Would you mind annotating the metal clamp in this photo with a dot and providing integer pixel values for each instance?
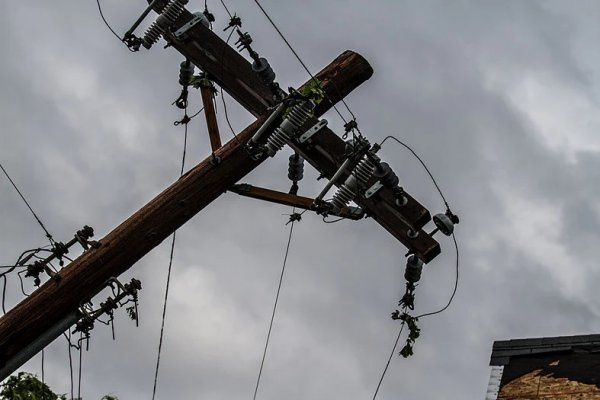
(181, 33)
(313, 130)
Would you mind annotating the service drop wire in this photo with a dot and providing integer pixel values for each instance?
(39, 221)
(287, 251)
(172, 252)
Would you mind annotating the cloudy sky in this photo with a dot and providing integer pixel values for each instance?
(500, 98)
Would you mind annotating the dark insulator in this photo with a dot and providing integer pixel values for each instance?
(414, 267)
(186, 71)
(386, 175)
(264, 71)
(296, 168)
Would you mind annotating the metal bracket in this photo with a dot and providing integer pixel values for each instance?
(373, 189)
(313, 130)
(181, 33)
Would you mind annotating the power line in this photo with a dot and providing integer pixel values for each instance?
(455, 285)
(447, 208)
(48, 235)
(389, 360)
(106, 22)
(287, 250)
(164, 313)
(304, 65)
(422, 163)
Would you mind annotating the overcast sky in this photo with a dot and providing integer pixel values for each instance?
(500, 98)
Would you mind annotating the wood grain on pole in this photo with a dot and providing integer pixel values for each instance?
(207, 94)
(153, 223)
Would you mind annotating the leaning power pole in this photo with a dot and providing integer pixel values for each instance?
(282, 118)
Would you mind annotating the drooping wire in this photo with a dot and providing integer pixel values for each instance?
(455, 285)
(422, 163)
(305, 67)
(166, 298)
(287, 250)
(389, 359)
(108, 25)
(447, 207)
(39, 221)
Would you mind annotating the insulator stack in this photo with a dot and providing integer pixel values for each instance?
(168, 17)
(357, 178)
(295, 171)
(414, 267)
(263, 69)
(186, 71)
(297, 116)
(386, 175)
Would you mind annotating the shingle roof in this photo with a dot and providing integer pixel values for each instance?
(503, 350)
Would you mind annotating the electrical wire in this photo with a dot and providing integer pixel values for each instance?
(80, 358)
(106, 22)
(389, 360)
(222, 74)
(305, 67)
(164, 313)
(447, 207)
(455, 286)
(43, 377)
(70, 365)
(226, 9)
(422, 163)
(48, 235)
(287, 250)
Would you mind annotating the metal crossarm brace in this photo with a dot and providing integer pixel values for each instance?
(305, 203)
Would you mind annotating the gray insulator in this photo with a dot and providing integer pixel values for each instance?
(186, 71)
(357, 178)
(444, 224)
(296, 168)
(168, 16)
(264, 71)
(297, 116)
(414, 267)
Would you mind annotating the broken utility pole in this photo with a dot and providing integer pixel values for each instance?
(51, 309)
(55, 300)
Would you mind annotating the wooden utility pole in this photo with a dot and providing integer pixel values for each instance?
(148, 227)
(51, 309)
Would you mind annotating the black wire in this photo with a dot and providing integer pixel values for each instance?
(455, 285)
(304, 65)
(221, 87)
(389, 360)
(80, 358)
(334, 221)
(43, 377)
(162, 325)
(108, 25)
(199, 111)
(226, 9)
(287, 250)
(422, 163)
(70, 364)
(48, 235)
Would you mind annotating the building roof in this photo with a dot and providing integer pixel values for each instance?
(503, 350)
